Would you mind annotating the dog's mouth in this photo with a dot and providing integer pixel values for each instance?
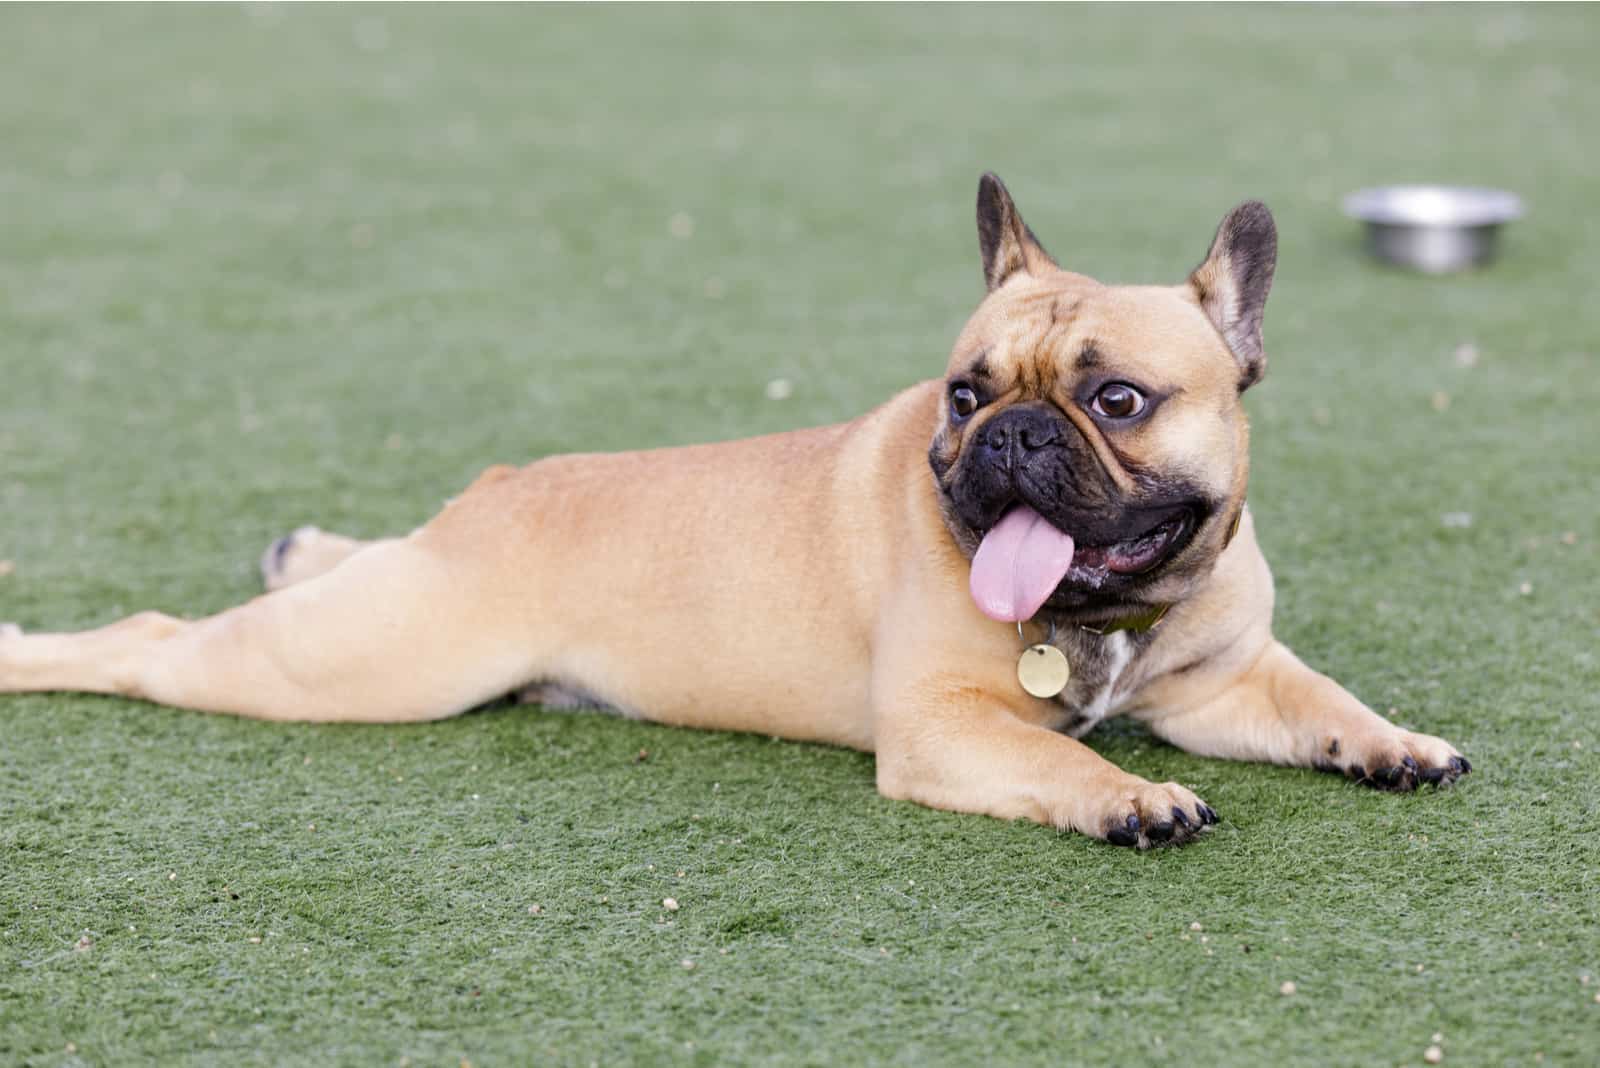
(1024, 560)
(1093, 564)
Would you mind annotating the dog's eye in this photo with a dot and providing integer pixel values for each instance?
(1117, 401)
(963, 401)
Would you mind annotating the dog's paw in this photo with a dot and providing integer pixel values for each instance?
(276, 561)
(1144, 814)
(1399, 760)
(304, 554)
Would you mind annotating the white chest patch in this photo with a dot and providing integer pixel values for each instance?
(1119, 651)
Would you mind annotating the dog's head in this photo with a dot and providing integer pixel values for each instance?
(1091, 453)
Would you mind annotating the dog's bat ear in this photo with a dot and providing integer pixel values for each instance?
(1233, 282)
(1008, 246)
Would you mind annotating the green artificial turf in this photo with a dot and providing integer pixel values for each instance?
(273, 265)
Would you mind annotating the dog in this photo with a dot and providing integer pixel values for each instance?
(963, 581)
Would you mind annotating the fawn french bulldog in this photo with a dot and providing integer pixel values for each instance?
(962, 581)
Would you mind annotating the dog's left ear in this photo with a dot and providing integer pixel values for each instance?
(1233, 282)
(1008, 246)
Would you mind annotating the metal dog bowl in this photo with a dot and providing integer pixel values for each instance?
(1433, 228)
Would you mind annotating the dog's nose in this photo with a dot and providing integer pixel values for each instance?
(1021, 429)
(1037, 437)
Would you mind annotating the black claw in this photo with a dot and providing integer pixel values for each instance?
(1408, 773)
(1159, 832)
(1386, 777)
(1127, 834)
(1181, 818)
(1357, 772)
(1462, 764)
(1209, 814)
(1433, 775)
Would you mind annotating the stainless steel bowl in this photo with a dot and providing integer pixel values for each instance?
(1433, 228)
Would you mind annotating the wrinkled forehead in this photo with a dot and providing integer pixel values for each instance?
(1069, 322)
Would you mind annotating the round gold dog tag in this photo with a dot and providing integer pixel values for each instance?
(1043, 670)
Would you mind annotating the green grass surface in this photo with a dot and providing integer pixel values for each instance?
(266, 266)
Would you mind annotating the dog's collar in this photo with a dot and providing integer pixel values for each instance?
(1137, 623)
(1151, 618)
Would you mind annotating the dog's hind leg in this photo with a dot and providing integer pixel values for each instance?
(311, 551)
(305, 554)
(400, 630)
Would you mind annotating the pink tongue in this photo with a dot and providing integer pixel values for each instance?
(1018, 565)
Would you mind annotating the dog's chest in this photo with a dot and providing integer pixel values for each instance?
(1099, 664)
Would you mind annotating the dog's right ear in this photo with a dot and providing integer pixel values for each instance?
(1233, 282)
(1008, 246)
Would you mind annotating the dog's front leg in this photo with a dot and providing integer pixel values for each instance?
(947, 744)
(1282, 712)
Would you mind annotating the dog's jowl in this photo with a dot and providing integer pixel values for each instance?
(1072, 490)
